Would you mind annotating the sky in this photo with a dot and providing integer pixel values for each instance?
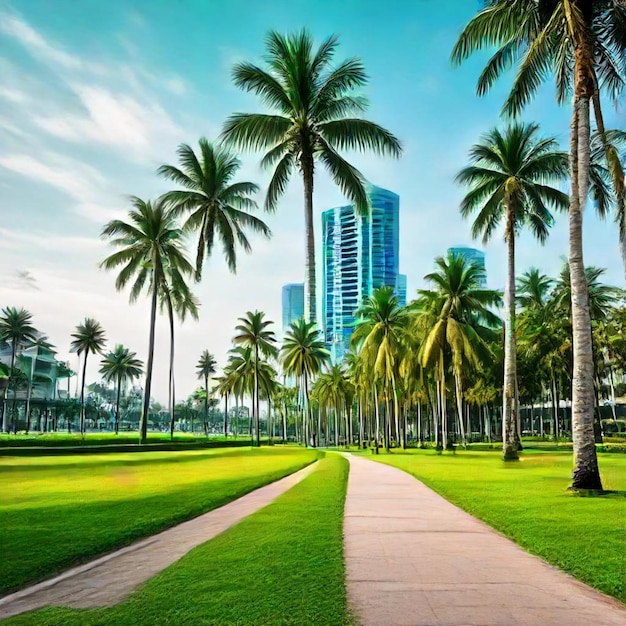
(94, 96)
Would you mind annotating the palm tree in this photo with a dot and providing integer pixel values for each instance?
(381, 325)
(582, 44)
(205, 368)
(118, 366)
(302, 356)
(88, 337)
(151, 247)
(178, 299)
(456, 322)
(253, 331)
(16, 329)
(509, 181)
(334, 389)
(218, 208)
(315, 115)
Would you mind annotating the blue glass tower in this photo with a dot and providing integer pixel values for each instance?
(293, 303)
(474, 256)
(359, 254)
(401, 289)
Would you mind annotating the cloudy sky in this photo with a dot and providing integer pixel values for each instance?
(94, 96)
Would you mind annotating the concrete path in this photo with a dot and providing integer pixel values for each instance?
(413, 558)
(109, 579)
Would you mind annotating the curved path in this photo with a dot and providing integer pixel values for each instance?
(412, 558)
(109, 579)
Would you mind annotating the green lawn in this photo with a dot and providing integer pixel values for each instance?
(528, 501)
(59, 511)
(282, 565)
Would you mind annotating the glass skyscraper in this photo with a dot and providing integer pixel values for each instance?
(293, 303)
(401, 289)
(474, 256)
(359, 254)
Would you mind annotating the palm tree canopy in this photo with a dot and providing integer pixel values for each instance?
(303, 350)
(206, 366)
(216, 207)
(121, 364)
(88, 337)
(514, 169)
(539, 37)
(315, 114)
(379, 333)
(533, 289)
(253, 331)
(16, 326)
(151, 248)
(333, 387)
(456, 314)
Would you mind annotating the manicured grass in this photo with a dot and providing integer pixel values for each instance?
(282, 565)
(104, 438)
(528, 502)
(59, 511)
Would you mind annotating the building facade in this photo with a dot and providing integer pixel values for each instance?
(359, 254)
(474, 256)
(292, 303)
(401, 289)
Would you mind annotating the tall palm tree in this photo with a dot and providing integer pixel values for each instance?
(253, 332)
(88, 337)
(119, 366)
(582, 43)
(150, 246)
(217, 208)
(379, 335)
(457, 324)
(509, 180)
(16, 329)
(302, 356)
(315, 113)
(177, 299)
(206, 367)
(333, 388)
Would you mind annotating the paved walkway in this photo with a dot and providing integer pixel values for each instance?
(413, 558)
(109, 579)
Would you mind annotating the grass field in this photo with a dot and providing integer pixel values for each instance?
(59, 511)
(282, 565)
(528, 501)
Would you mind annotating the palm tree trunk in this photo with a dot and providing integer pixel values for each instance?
(226, 415)
(310, 308)
(172, 399)
(377, 410)
(305, 414)
(82, 396)
(117, 404)
(5, 414)
(509, 404)
(586, 474)
(360, 410)
(285, 422)
(206, 405)
(143, 422)
(257, 421)
(458, 388)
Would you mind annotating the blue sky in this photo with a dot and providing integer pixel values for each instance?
(95, 96)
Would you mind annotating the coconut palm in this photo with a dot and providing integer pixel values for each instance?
(88, 337)
(379, 333)
(206, 367)
(120, 366)
(150, 248)
(583, 45)
(253, 331)
(333, 388)
(510, 180)
(16, 329)
(456, 322)
(217, 207)
(302, 355)
(177, 299)
(315, 113)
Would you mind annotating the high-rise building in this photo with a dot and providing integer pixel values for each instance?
(293, 303)
(474, 256)
(401, 289)
(359, 255)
